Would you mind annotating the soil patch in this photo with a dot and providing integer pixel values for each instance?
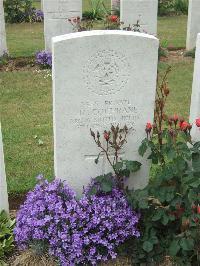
(15, 201)
(19, 64)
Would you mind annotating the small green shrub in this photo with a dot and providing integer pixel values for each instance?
(190, 53)
(4, 59)
(181, 6)
(17, 11)
(165, 7)
(6, 235)
(97, 10)
(168, 7)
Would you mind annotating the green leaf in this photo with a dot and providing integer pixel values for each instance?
(133, 166)
(118, 166)
(147, 246)
(165, 219)
(143, 147)
(158, 215)
(196, 162)
(187, 244)
(106, 186)
(174, 247)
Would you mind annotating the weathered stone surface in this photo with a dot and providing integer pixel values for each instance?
(101, 78)
(193, 26)
(115, 6)
(195, 99)
(3, 46)
(56, 15)
(3, 184)
(143, 10)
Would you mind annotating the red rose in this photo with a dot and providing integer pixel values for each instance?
(114, 18)
(148, 128)
(184, 125)
(198, 122)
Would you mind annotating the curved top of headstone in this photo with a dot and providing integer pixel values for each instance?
(92, 33)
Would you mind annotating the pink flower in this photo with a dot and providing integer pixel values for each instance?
(198, 122)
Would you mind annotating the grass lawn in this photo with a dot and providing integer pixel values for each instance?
(172, 31)
(26, 112)
(180, 84)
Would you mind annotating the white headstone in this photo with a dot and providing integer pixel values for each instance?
(193, 26)
(56, 15)
(143, 10)
(3, 46)
(195, 99)
(101, 78)
(115, 6)
(3, 184)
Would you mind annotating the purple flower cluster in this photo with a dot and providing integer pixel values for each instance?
(44, 59)
(38, 15)
(83, 231)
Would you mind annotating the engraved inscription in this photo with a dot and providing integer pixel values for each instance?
(106, 72)
(102, 114)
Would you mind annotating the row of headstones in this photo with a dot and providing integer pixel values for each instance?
(56, 12)
(148, 9)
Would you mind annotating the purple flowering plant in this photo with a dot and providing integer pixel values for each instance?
(44, 59)
(74, 231)
(37, 15)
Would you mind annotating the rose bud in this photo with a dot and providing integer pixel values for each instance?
(194, 207)
(198, 209)
(172, 132)
(166, 91)
(148, 128)
(164, 117)
(198, 122)
(175, 119)
(189, 127)
(106, 136)
(170, 120)
(92, 133)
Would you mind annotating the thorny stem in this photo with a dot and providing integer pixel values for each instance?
(116, 143)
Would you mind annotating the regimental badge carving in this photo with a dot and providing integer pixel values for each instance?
(106, 72)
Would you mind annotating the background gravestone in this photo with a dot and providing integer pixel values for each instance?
(193, 26)
(195, 99)
(143, 10)
(3, 185)
(56, 15)
(115, 6)
(101, 78)
(3, 46)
